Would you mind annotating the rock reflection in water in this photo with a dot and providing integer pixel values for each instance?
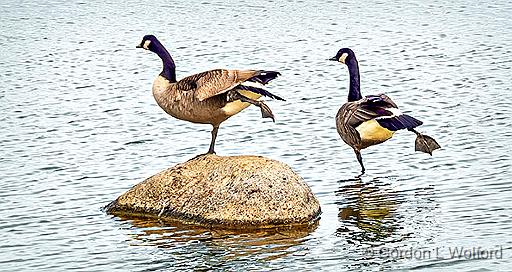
(266, 244)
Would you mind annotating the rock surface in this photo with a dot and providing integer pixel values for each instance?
(229, 192)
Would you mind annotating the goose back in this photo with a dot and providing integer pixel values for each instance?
(215, 82)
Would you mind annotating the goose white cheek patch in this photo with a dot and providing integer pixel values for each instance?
(343, 57)
(146, 44)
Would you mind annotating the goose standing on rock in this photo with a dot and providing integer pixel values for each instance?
(371, 120)
(209, 97)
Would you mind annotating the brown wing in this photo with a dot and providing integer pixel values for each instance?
(345, 124)
(368, 108)
(214, 82)
(352, 114)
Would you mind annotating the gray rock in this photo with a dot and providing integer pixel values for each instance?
(230, 192)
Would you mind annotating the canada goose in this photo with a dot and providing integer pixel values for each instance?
(209, 97)
(363, 122)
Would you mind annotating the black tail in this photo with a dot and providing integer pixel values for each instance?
(399, 122)
(264, 77)
(259, 91)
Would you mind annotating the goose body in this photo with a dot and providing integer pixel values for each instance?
(366, 121)
(209, 97)
(180, 100)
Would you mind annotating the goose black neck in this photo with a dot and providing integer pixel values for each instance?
(169, 69)
(354, 92)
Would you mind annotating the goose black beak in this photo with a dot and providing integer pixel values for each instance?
(138, 46)
(333, 59)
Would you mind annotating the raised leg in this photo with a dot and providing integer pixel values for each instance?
(214, 137)
(265, 110)
(360, 160)
(424, 143)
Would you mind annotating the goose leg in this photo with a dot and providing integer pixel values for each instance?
(214, 137)
(424, 143)
(360, 160)
(265, 110)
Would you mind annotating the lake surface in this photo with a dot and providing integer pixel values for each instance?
(79, 126)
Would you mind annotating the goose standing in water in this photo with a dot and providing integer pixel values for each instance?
(371, 120)
(209, 97)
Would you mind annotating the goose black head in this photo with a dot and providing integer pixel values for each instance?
(147, 42)
(344, 55)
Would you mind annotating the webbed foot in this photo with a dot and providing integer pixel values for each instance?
(425, 144)
(266, 112)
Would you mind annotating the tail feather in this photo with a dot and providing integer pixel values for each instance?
(403, 121)
(264, 77)
(259, 91)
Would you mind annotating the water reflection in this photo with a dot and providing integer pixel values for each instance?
(265, 244)
(376, 217)
(367, 211)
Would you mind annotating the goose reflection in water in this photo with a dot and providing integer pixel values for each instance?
(375, 215)
(367, 212)
(264, 244)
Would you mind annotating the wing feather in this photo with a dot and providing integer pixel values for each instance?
(366, 109)
(214, 82)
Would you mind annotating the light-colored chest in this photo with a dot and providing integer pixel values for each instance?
(160, 85)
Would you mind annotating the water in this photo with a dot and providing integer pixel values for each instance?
(79, 127)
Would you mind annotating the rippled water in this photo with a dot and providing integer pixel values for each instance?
(79, 126)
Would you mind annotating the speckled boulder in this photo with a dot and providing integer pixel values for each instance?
(229, 192)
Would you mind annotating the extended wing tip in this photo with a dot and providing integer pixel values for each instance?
(272, 72)
(280, 98)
